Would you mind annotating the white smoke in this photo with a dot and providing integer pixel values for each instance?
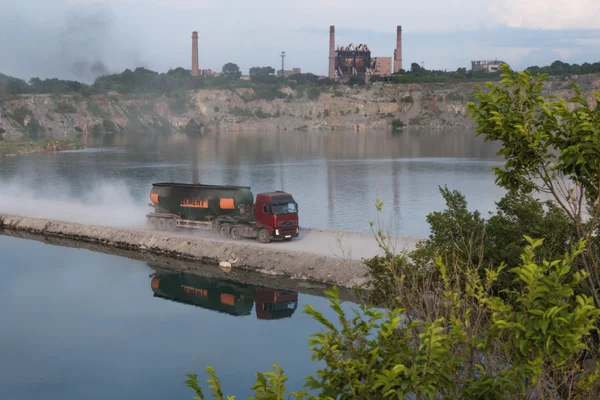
(106, 203)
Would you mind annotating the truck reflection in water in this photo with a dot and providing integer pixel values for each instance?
(225, 296)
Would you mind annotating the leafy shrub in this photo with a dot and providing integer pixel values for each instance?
(397, 124)
(20, 114)
(109, 126)
(455, 97)
(241, 112)
(65, 108)
(478, 346)
(313, 92)
(34, 129)
(178, 104)
(407, 99)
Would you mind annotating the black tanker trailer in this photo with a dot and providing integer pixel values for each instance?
(230, 210)
(233, 298)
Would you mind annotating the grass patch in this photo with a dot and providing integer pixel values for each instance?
(23, 146)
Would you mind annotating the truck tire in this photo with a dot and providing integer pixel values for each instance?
(263, 236)
(152, 221)
(161, 224)
(171, 225)
(235, 233)
(224, 231)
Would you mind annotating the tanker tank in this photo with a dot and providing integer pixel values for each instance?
(211, 294)
(199, 202)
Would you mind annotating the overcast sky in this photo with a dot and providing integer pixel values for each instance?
(79, 39)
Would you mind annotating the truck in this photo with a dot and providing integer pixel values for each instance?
(229, 210)
(224, 296)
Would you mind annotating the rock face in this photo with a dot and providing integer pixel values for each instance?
(342, 107)
(265, 260)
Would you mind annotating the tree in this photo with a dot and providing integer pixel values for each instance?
(263, 74)
(478, 347)
(551, 147)
(231, 72)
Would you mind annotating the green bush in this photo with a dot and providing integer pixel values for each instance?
(109, 126)
(314, 93)
(241, 112)
(34, 129)
(178, 104)
(455, 97)
(397, 124)
(478, 346)
(21, 113)
(65, 108)
(407, 99)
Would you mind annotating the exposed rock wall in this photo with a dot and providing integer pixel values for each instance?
(361, 109)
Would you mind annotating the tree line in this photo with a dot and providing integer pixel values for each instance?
(142, 80)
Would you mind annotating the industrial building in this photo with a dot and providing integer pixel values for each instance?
(289, 72)
(354, 60)
(488, 66)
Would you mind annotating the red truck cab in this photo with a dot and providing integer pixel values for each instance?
(275, 304)
(277, 212)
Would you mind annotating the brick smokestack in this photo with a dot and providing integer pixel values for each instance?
(194, 53)
(331, 52)
(398, 50)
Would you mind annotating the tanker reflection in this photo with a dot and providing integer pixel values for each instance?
(224, 296)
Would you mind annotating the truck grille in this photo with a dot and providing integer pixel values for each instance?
(282, 224)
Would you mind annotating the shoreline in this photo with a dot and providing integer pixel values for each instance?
(300, 260)
(18, 148)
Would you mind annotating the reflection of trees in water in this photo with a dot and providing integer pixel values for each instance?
(269, 147)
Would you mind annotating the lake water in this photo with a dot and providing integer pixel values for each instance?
(336, 177)
(84, 325)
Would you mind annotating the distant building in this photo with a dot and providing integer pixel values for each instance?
(209, 72)
(382, 66)
(488, 66)
(289, 72)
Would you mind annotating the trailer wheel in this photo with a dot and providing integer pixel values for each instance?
(224, 231)
(263, 236)
(235, 233)
(161, 224)
(171, 225)
(152, 221)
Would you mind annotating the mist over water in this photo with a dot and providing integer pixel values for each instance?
(107, 203)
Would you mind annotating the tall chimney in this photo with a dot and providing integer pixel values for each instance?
(331, 52)
(194, 53)
(398, 50)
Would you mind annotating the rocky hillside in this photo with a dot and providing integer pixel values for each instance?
(359, 108)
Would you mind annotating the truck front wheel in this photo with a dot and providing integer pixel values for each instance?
(235, 233)
(263, 236)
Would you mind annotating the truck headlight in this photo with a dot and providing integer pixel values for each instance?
(276, 232)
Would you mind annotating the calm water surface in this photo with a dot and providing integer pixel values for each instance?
(336, 177)
(84, 325)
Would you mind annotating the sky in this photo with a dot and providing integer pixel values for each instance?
(81, 39)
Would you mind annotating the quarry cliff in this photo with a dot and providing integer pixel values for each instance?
(360, 108)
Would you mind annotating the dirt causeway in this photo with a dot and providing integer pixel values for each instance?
(326, 257)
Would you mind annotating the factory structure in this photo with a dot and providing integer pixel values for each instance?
(487, 66)
(356, 60)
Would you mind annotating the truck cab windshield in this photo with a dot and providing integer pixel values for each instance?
(290, 208)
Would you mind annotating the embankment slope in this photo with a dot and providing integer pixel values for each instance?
(311, 258)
